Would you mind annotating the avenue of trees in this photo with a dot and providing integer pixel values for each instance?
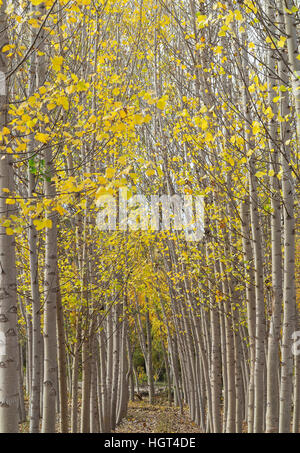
(161, 97)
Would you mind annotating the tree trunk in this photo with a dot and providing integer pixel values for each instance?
(9, 352)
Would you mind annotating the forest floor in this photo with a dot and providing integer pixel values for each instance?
(145, 418)
(159, 418)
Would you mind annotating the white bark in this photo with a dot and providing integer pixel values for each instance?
(9, 390)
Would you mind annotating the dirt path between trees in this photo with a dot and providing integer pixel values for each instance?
(158, 418)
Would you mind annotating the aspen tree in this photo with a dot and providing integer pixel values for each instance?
(50, 282)
(272, 415)
(9, 390)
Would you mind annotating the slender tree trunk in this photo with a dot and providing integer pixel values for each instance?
(94, 407)
(22, 410)
(75, 376)
(86, 386)
(116, 365)
(62, 364)
(35, 391)
(149, 360)
(289, 290)
(9, 352)
(273, 364)
(50, 282)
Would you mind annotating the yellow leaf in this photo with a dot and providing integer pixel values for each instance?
(281, 42)
(36, 2)
(110, 172)
(5, 131)
(255, 127)
(260, 174)
(161, 103)
(101, 180)
(43, 90)
(7, 47)
(238, 15)
(56, 63)
(59, 209)
(150, 172)
(43, 138)
(209, 137)
(51, 106)
(63, 100)
(31, 101)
